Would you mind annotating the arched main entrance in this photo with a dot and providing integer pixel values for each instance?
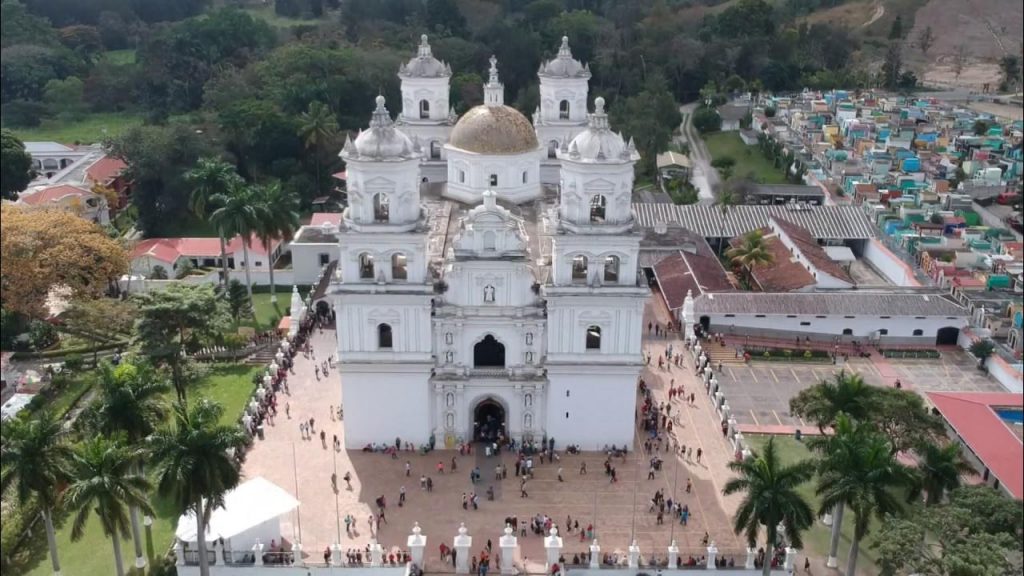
(488, 420)
(947, 336)
(489, 353)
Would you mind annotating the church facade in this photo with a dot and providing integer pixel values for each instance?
(476, 298)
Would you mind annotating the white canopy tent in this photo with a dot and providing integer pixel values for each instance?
(251, 505)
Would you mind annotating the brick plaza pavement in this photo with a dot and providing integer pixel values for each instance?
(304, 467)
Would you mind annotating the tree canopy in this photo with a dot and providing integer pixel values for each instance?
(15, 166)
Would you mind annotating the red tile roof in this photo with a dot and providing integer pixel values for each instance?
(783, 274)
(53, 194)
(813, 251)
(321, 218)
(170, 249)
(973, 418)
(105, 169)
(695, 268)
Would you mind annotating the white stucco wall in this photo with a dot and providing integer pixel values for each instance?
(221, 570)
(600, 403)
(888, 264)
(385, 401)
(306, 260)
(862, 326)
(469, 174)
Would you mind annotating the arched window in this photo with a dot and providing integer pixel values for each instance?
(50, 164)
(611, 269)
(529, 357)
(366, 271)
(462, 176)
(597, 208)
(384, 336)
(847, 331)
(553, 149)
(490, 240)
(435, 150)
(449, 421)
(449, 357)
(494, 180)
(593, 337)
(398, 267)
(424, 109)
(381, 207)
(489, 353)
(919, 332)
(579, 269)
(563, 110)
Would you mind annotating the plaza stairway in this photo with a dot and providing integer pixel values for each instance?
(724, 354)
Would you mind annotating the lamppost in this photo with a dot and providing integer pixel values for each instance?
(337, 505)
(675, 483)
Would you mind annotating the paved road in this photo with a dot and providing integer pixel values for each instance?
(705, 178)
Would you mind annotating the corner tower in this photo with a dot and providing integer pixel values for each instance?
(427, 116)
(564, 84)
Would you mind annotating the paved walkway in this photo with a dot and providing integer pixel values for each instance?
(619, 511)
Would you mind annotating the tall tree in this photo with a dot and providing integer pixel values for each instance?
(42, 249)
(211, 180)
(859, 472)
(175, 321)
(34, 458)
(15, 166)
(317, 128)
(193, 467)
(238, 214)
(278, 213)
(822, 403)
(104, 480)
(130, 402)
(770, 497)
(751, 252)
(941, 468)
(925, 39)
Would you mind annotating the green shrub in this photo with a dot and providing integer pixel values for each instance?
(41, 335)
(787, 353)
(808, 355)
(74, 362)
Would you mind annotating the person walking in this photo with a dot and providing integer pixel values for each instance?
(408, 468)
(522, 488)
(583, 468)
(699, 452)
(689, 485)
(401, 495)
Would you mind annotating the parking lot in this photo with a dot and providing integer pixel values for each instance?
(759, 393)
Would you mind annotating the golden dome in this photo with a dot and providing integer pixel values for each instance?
(494, 130)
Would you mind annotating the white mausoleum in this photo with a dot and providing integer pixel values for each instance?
(489, 305)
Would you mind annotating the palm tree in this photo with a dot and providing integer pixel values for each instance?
(982, 349)
(105, 480)
(238, 215)
(35, 460)
(278, 220)
(210, 179)
(860, 472)
(771, 497)
(317, 127)
(752, 251)
(193, 467)
(822, 403)
(941, 468)
(832, 447)
(130, 402)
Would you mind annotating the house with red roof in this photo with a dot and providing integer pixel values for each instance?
(110, 173)
(170, 253)
(77, 199)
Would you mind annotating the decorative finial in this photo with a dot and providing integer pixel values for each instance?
(490, 198)
(380, 102)
(553, 531)
(508, 530)
(563, 50)
(599, 105)
(416, 525)
(599, 119)
(462, 529)
(493, 79)
(424, 51)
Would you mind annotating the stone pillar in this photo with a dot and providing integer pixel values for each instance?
(751, 557)
(688, 315)
(595, 555)
(462, 544)
(732, 427)
(712, 554)
(509, 550)
(376, 554)
(673, 555)
(257, 551)
(336, 555)
(634, 555)
(417, 543)
(790, 559)
(297, 559)
(738, 441)
(179, 552)
(553, 547)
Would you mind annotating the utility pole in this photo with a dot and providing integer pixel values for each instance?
(298, 510)
(337, 505)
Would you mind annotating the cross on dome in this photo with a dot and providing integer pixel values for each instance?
(493, 79)
(494, 90)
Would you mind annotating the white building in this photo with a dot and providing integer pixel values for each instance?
(482, 307)
(427, 116)
(564, 83)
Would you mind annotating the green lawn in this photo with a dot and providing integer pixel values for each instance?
(228, 384)
(119, 57)
(749, 160)
(90, 129)
(816, 541)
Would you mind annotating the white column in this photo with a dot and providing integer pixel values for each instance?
(417, 542)
(297, 559)
(376, 554)
(712, 553)
(595, 555)
(462, 544)
(790, 559)
(751, 557)
(257, 551)
(732, 427)
(673, 555)
(509, 550)
(179, 552)
(336, 555)
(634, 555)
(553, 546)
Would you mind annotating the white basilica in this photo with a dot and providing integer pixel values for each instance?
(488, 279)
